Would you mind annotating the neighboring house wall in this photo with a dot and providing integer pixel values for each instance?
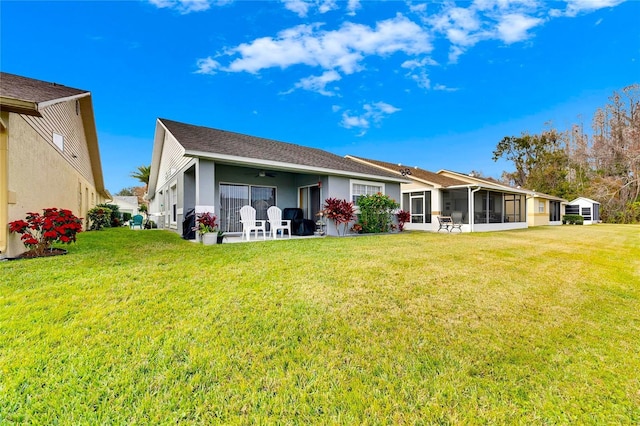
(126, 204)
(537, 211)
(543, 211)
(427, 196)
(40, 174)
(166, 207)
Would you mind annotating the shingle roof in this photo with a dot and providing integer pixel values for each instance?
(416, 172)
(37, 91)
(197, 139)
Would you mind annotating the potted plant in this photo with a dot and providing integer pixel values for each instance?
(207, 227)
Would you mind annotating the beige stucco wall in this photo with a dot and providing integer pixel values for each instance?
(40, 175)
(534, 216)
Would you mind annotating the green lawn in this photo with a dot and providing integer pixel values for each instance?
(540, 326)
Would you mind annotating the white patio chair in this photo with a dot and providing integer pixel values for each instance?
(276, 223)
(249, 223)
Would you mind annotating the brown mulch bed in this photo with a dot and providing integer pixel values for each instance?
(50, 252)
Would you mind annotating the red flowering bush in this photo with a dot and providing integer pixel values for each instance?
(341, 212)
(403, 217)
(40, 231)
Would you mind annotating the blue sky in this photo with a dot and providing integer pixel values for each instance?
(428, 84)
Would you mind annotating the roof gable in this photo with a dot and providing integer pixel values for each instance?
(201, 141)
(585, 199)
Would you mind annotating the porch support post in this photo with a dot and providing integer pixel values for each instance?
(205, 183)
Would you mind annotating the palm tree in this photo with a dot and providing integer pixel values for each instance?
(142, 174)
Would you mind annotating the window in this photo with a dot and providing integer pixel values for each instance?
(174, 203)
(234, 196)
(554, 211)
(360, 188)
(572, 209)
(540, 206)
(418, 204)
(58, 140)
(586, 213)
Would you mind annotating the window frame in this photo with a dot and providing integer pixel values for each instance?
(173, 201)
(353, 182)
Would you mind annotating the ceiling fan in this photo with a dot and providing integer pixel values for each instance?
(264, 173)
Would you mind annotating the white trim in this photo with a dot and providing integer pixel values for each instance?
(278, 165)
(173, 192)
(364, 182)
(45, 104)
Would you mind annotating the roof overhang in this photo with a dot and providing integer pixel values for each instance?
(19, 106)
(288, 167)
(89, 124)
(488, 187)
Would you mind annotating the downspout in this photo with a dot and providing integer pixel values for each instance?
(472, 207)
(4, 182)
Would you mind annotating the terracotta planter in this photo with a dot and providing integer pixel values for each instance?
(210, 238)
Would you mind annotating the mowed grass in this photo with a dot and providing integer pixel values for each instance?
(539, 326)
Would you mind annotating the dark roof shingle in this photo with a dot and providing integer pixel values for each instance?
(37, 91)
(214, 141)
(416, 172)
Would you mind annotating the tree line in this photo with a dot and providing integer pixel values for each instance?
(602, 164)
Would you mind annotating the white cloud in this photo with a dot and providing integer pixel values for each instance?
(574, 7)
(513, 27)
(350, 121)
(374, 112)
(327, 5)
(319, 83)
(421, 78)
(344, 49)
(303, 7)
(207, 66)
(299, 7)
(506, 20)
(188, 6)
(443, 88)
(418, 63)
(352, 6)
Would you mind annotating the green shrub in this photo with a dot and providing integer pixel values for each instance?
(99, 217)
(573, 219)
(126, 216)
(376, 212)
(115, 219)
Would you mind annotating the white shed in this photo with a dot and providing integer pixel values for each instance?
(587, 208)
(127, 204)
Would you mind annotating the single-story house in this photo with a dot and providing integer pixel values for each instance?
(587, 208)
(49, 154)
(200, 169)
(545, 209)
(480, 205)
(126, 203)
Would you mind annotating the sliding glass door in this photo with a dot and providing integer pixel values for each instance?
(309, 201)
(233, 197)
